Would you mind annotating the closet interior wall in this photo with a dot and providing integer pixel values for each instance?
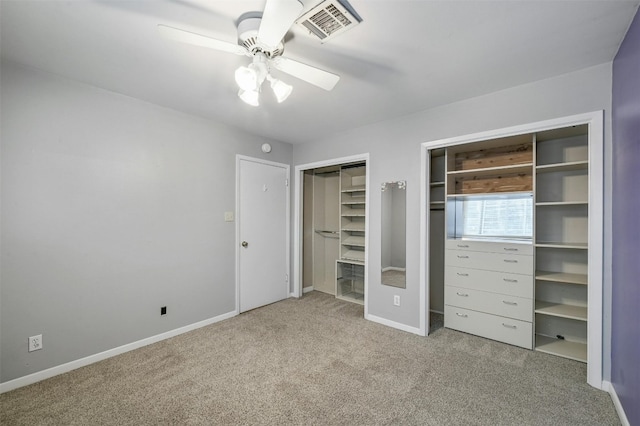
(321, 228)
(436, 230)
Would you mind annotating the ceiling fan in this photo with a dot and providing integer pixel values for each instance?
(261, 38)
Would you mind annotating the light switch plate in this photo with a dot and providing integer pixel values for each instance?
(228, 216)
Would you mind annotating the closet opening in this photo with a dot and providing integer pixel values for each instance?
(436, 226)
(512, 238)
(330, 246)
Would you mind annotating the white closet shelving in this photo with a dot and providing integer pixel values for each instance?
(552, 168)
(489, 266)
(561, 241)
(350, 268)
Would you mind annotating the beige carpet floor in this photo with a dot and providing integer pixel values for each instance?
(316, 361)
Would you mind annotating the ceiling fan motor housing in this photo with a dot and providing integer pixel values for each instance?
(248, 37)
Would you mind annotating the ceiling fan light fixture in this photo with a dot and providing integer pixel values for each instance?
(250, 97)
(281, 89)
(261, 36)
(247, 78)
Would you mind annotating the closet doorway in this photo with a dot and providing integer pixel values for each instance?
(330, 244)
(523, 236)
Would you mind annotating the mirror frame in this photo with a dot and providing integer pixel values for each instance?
(393, 234)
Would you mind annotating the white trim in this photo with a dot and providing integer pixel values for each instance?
(423, 289)
(595, 253)
(608, 386)
(307, 289)
(91, 359)
(540, 126)
(596, 219)
(287, 223)
(394, 324)
(297, 221)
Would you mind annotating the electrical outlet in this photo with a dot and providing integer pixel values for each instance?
(396, 300)
(163, 310)
(35, 343)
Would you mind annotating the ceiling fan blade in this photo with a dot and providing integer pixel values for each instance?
(323, 79)
(200, 40)
(277, 18)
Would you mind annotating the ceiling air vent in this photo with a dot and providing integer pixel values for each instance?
(329, 18)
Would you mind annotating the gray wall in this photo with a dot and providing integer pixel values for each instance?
(111, 208)
(394, 147)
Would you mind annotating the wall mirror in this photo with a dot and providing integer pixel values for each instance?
(394, 233)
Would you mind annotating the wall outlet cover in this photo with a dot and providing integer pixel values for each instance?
(35, 343)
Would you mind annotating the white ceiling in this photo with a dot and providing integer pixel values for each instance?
(406, 56)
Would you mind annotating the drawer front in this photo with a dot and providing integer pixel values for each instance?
(515, 264)
(492, 303)
(507, 330)
(490, 246)
(497, 282)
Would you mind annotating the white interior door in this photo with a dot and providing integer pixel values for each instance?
(262, 232)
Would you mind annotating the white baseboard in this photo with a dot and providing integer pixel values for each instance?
(389, 323)
(82, 362)
(307, 289)
(607, 386)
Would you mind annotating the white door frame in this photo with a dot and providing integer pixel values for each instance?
(297, 231)
(237, 215)
(596, 216)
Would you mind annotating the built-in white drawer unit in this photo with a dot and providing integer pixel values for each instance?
(489, 290)
(507, 330)
(493, 303)
(512, 263)
(490, 246)
(519, 285)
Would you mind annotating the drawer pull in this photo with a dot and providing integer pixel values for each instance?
(461, 315)
(463, 245)
(462, 274)
(462, 294)
(510, 249)
(509, 280)
(507, 302)
(463, 257)
(509, 326)
(510, 261)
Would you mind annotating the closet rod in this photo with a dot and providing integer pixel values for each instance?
(332, 234)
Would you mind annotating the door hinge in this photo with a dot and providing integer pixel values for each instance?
(286, 182)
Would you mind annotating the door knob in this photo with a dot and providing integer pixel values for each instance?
(245, 244)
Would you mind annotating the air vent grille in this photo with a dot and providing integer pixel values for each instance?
(329, 18)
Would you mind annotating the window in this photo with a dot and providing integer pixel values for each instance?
(501, 217)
